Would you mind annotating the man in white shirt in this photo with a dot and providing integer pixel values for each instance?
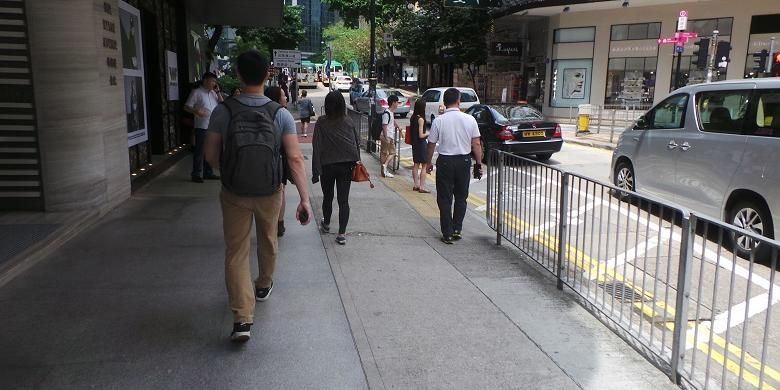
(389, 127)
(202, 101)
(457, 136)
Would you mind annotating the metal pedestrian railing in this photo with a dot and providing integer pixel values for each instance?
(665, 279)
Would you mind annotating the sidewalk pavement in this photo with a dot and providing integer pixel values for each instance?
(138, 301)
(596, 138)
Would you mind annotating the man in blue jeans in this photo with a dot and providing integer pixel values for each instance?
(457, 135)
(201, 103)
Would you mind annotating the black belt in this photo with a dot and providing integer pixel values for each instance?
(454, 155)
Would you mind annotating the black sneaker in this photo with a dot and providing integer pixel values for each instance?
(456, 236)
(197, 179)
(447, 240)
(324, 226)
(341, 240)
(240, 332)
(262, 294)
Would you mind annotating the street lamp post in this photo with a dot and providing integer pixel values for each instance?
(372, 72)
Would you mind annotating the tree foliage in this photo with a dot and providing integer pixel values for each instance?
(387, 11)
(349, 44)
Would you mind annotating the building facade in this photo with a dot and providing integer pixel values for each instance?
(91, 91)
(316, 17)
(607, 53)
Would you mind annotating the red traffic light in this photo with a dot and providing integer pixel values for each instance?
(776, 58)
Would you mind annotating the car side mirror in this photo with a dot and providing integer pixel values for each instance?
(641, 123)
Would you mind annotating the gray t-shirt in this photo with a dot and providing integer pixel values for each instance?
(220, 118)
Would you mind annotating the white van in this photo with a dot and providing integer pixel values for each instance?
(434, 98)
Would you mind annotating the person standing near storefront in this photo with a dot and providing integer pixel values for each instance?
(457, 135)
(201, 103)
(250, 190)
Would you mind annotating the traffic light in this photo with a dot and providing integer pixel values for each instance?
(759, 61)
(775, 65)
(722, 54)
(701, 55)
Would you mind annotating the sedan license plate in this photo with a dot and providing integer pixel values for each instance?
(531, 134)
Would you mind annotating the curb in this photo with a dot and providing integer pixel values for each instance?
(590, 144)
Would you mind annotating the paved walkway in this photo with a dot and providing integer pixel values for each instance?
(604, 138)
(138, 301)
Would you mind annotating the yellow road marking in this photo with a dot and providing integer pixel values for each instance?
(583, 261)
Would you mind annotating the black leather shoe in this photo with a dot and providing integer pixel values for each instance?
(212, 177)
(197, 179)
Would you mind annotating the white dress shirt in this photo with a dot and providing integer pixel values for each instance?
(453, 131)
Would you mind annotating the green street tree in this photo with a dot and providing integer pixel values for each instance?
(266, 39)
(348, 44)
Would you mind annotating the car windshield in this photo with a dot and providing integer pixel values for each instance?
(381, 93)
(525, 113)
(395, 93)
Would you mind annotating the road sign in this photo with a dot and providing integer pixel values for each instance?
(679, 49)
(682, 20)
(387, 37)
(666, 41)
(287, 58)
(683, 34)
(479, 4)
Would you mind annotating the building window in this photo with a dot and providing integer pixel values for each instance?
(765, 24)
(573, 35)
(690, 74)
(705, 27)
(624, 32)
(631, 81)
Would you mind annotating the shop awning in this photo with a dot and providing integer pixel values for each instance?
(237, 13)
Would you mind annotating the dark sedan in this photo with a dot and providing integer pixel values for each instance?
(521, 130)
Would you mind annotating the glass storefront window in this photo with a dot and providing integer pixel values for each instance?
(624, 32)
(578, 34)
(631, 81)
(705, 27)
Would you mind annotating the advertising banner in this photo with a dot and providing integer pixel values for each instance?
(172, 75)
(133, 68)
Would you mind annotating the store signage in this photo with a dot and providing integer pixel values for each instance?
(643, 48)
(172, 74)
(287, 58)
(507, 49)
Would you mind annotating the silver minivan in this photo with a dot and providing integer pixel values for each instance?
(713, 148)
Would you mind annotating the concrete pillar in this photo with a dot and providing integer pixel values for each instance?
(80, 107)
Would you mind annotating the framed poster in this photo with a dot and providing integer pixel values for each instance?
(574, 83)
(172, 75)
(133, 68)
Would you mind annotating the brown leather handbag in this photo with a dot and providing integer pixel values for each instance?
(360, 174)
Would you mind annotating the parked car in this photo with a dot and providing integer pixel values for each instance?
(524, 131)
(434, 100)
(342, 83)
(712, 148)
(362, 102)
(357, 90)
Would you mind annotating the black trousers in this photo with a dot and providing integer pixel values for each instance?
(199, 163)
(453, 176)
(340, 176)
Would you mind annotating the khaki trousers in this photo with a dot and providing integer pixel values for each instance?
(237, 215)
(386, 151)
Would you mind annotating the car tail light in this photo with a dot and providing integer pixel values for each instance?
(557, 133)
(505, 134)
(408, 103)
(383, 103)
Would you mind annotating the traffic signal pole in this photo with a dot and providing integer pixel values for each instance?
(372, 73)
(711, 59)
(770, 60)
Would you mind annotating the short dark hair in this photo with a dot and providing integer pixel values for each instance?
(274, 93)
(208, 75)
(303, 93)
(451, 96)
(392, 99)
(335, 107)
(252, 67)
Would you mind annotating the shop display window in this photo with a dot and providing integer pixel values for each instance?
(631, 81)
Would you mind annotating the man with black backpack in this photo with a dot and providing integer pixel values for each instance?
(246, 137)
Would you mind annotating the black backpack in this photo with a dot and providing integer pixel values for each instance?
(251, 159)
(376, 125)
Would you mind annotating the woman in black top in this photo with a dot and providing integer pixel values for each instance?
(336, 146)
(278, 95)
(419, 129)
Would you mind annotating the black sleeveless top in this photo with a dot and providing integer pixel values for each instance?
(415, 128)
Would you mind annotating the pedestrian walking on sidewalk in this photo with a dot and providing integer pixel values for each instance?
(419, 128)
(306, 111)
(201, 102)
(458, 137)
(336, 146)
(246, 136)
(277, 95)
(389, 128)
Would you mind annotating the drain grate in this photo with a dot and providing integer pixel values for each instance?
(14, 239)
(622, 292)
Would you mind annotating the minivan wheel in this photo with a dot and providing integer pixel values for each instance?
(624, 177)
(754, 217)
